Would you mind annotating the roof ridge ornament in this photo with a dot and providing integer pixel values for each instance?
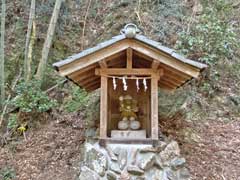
(130, 30)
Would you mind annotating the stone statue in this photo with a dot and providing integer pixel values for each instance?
(128, 108)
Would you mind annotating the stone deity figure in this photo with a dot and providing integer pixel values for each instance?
(128, 108)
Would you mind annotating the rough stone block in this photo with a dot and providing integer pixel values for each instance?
(114, 166)
(111, 176)
(146, 161)
(87, 173)
(135, 170)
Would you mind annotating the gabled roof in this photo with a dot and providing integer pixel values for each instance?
(80, 68)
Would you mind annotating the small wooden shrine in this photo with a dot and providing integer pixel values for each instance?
(129, 69)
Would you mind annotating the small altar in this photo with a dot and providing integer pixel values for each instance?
(128, 134)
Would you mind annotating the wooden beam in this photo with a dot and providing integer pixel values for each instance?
(84, 75)
(119, 55)
(168, 80)
(166, 84)
(122, 45)
(165, 87)
(82, 71)
(86, 80)
(102, 64)
(142, 63)
(169, 75)
(147, 58)
(117, 65)
(154, 107)
(170, 61)
(90, 82)
(118, 62)
(93, 87)
(174, 71)
(124, 71)
(103, 108)
(174, 77)
(129, 58)
(94, 57)
(155, 64)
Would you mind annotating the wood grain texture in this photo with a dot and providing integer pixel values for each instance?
(154, 107)
(155, 64)
(129, 58)
(124, 71)
(103, 107)
(93, 58)
(153, 53)
(102, 64)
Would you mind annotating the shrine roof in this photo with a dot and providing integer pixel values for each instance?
(80, 68)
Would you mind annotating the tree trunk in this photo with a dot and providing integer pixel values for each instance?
(48, 41)
(29, 56)
(29, 43)
(2, 72)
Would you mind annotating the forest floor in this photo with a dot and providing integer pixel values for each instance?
(53, 151)
(211, 147)
(216, 154)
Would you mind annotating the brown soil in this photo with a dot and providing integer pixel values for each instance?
(216, 155)
(212, 149)
(51, 152)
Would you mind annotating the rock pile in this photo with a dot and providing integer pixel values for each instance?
(133, 162)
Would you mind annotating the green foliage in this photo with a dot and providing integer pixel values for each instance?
(211, 37)
(207, 89)
(166, 16)
(93, 107)
(171, 102)
(12, 121)
(78, 100)
(87, 103)
(30, 98)
(7, 174)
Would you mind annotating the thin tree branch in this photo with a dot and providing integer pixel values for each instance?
(84, 24)
(55, 86)
(9, 97)
(138, 10)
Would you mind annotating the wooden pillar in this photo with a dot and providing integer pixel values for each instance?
(103, 108)
(154, 107)
(129, 58)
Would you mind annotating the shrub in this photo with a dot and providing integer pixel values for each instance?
(211, 36)
(30, 98)
(7, 174)
(12, 121)
(87, 103)
(78, 100)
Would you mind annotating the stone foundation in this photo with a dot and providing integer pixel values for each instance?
(133, 162)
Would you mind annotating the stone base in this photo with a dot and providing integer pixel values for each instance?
(128, 134)
(133, 162)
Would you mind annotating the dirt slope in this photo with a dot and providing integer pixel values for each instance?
(51, 152)
(211, 148)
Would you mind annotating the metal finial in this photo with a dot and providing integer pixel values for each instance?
(130, 30)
